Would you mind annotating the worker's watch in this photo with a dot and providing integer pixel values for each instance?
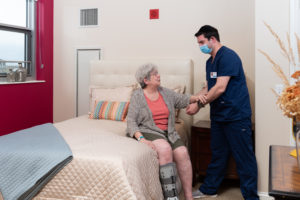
(200, 104)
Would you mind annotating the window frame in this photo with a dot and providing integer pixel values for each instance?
(29, 38)
(294, 28)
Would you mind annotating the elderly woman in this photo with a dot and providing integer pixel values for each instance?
(151, 120)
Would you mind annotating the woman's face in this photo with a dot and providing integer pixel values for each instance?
(154, 79)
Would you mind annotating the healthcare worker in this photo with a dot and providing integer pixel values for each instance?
(230, 115)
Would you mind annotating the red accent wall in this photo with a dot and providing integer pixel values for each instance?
(26, 105)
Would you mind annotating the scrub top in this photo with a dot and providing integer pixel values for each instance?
(234, 103)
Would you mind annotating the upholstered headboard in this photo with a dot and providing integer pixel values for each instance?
(173, 72)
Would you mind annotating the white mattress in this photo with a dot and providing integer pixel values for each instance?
(106, 164)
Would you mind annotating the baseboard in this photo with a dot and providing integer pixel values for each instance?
(265, 196)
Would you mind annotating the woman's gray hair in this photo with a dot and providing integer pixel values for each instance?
(144, 72)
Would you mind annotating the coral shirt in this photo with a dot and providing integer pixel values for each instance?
(160, 112)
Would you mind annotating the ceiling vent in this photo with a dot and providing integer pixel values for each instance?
(89, 17)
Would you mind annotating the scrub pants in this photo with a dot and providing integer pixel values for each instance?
(232, 137)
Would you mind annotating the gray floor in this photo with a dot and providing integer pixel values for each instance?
(228, 191)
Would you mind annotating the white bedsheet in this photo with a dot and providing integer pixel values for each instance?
(106, 164)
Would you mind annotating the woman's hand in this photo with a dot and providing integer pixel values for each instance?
(192, 109)
(149, 143)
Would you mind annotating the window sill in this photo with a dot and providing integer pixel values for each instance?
(29, 81)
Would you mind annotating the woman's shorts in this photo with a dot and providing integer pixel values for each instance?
(152, 137)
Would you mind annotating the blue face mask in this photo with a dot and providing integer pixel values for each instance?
(205, 49)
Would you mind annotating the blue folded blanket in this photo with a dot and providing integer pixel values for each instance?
(29, 159)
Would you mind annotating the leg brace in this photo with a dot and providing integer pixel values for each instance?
(168, 175)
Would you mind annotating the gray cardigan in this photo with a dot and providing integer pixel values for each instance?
(139, 117)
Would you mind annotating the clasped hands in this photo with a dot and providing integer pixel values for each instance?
(193, 108)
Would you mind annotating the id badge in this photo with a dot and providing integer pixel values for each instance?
(213, 74)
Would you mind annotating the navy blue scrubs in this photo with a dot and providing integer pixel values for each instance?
(230, 116)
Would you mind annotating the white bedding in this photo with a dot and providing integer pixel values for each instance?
(106, 164)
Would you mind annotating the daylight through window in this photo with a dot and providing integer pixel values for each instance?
(17, 26)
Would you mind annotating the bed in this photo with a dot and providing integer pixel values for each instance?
(106, 164)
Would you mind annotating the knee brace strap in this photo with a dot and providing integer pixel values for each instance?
(168, 171)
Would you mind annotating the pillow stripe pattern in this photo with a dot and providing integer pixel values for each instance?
(111, 110)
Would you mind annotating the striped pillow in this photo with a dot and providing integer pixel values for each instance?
(111, 110)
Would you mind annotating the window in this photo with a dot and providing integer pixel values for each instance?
(17, 25)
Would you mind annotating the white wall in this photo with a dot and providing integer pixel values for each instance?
(126, 32)
(271, 127)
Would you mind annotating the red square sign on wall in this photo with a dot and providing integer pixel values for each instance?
(154, 14)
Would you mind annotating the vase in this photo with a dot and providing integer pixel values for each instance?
(298, 148)
(21, 73)
(11, 76)
(296, 133)
(296, 127)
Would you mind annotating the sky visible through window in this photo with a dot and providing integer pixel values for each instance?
(12, 12)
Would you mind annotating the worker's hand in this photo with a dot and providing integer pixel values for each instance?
(192, 109)
(202, 98)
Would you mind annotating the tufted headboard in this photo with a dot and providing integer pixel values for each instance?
(173, 72)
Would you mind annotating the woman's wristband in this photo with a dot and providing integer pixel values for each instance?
(139, 138)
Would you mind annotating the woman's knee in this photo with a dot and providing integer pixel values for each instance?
(181, 153)
(163, 149)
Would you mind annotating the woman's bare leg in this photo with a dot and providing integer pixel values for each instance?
(184, 167)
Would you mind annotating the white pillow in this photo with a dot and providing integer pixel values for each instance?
(119, 94)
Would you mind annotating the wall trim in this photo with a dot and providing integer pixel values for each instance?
(294, 21)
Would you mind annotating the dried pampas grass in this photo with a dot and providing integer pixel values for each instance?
(289, 100)
(279, 41)
(275, 93)
(277, 69)
(290, 49)
(298, 46)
